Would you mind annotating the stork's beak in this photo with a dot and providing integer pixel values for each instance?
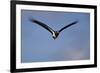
(54, 37)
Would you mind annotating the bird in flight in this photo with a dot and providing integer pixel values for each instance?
(53, 32)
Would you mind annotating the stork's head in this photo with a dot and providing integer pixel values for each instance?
(55, 34)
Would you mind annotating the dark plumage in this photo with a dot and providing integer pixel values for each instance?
(54, 33)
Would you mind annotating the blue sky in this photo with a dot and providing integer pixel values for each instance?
(37, 44)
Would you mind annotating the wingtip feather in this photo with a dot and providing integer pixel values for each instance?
(32, 19)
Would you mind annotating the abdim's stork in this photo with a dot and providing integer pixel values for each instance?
(53, 32)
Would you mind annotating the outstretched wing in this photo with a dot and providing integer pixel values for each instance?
(67, 26)
(43, 25)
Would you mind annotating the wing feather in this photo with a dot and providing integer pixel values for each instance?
(43, 25)
(68, 26)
